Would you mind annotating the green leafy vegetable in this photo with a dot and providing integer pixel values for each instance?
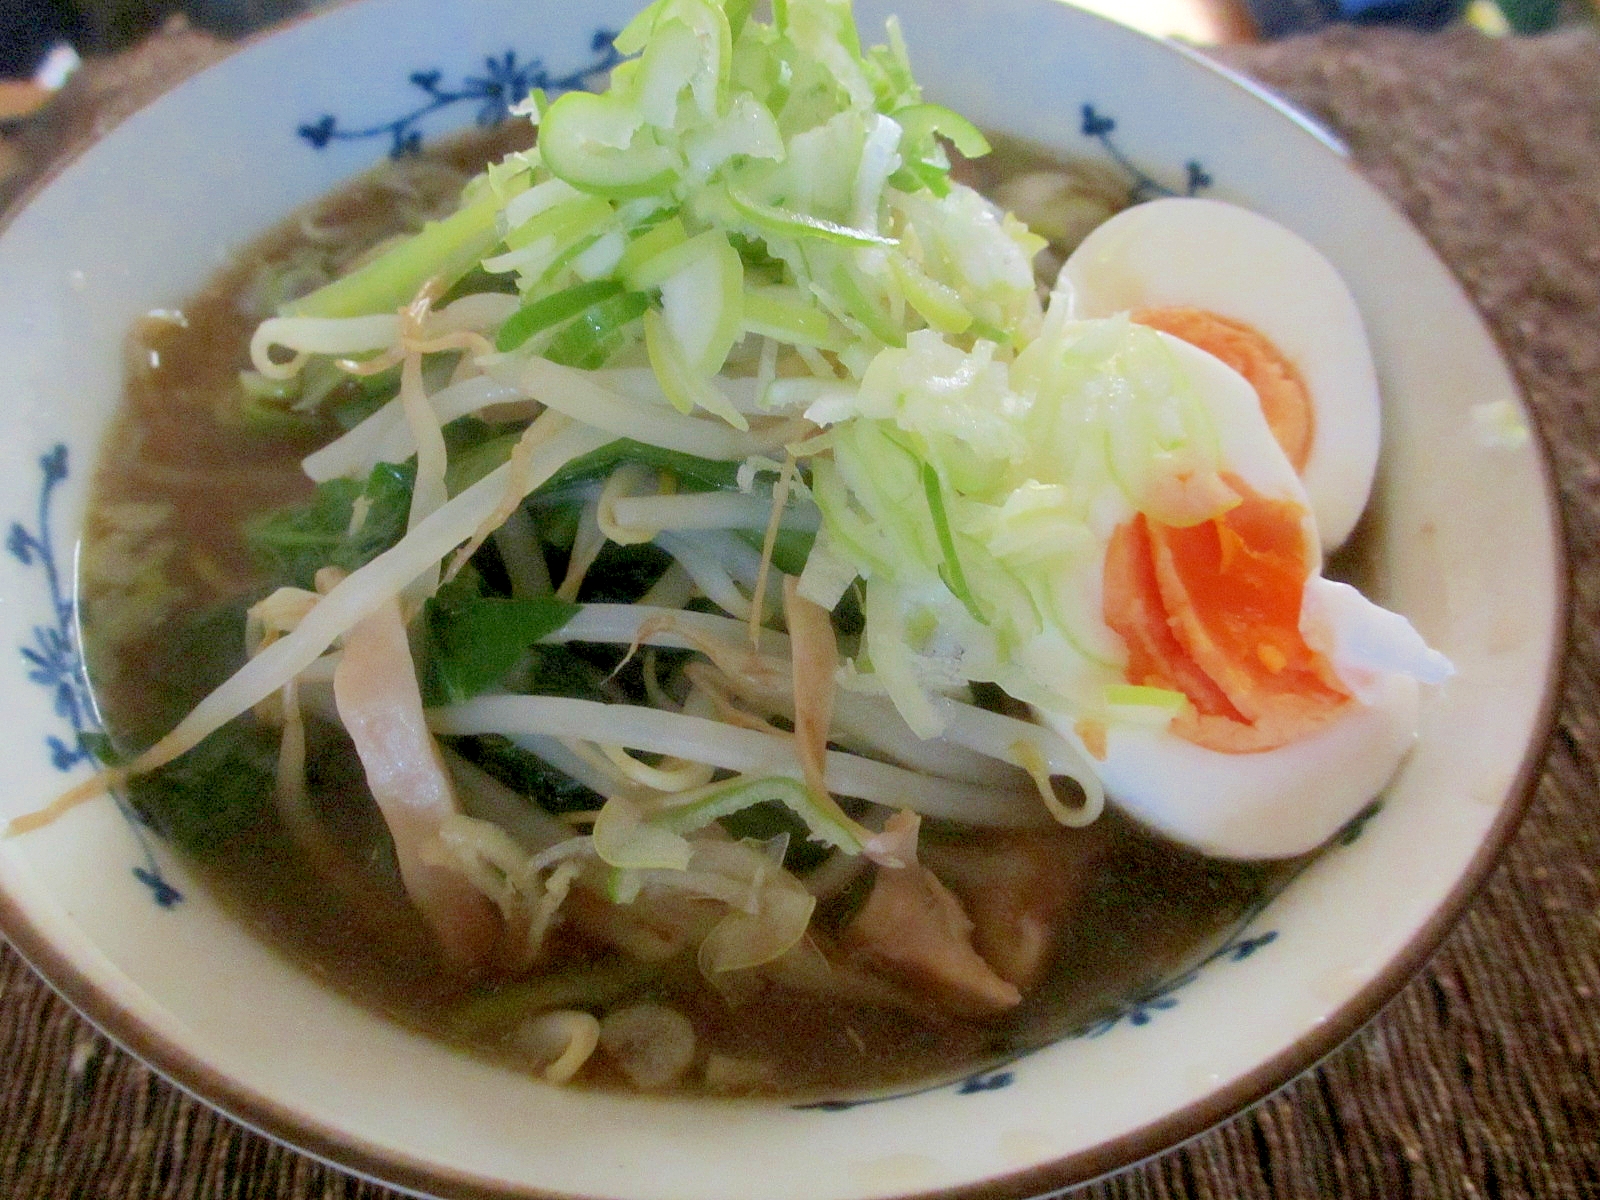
(789, 551)
(529, 775)
(213, 792)
(623, 573)
(950, 570)
(769, 819)
(326, 531)
(690, 471)
(470, 463)
(474, 641)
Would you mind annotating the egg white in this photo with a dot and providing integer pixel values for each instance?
(1273, 804)
(1245, 445)
(1286, 801)
(1239, 264)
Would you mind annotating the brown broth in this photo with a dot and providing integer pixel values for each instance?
(1140, 909)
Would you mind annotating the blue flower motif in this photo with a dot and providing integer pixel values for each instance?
(162, 892)
(1098, 126)
(54, 661)
(319, 132)
(990, 1082)
(1139, 1012)
(54, 464)
(503, 85)
(1248, 946)
(982, 1081)
(20, 545)
(64, 756)
(504, 82)
(1142, 1009)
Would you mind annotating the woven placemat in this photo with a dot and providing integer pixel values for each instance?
(1482, 1078)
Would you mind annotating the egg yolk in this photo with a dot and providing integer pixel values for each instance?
(1285, 401)
(1212, 610)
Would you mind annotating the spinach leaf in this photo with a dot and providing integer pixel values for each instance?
(790, 549)
(769, 819)
(215, 791)
(223, 785)
(622, 574)
(689, 469)
(473, 460)
(529, 775)
(473, 641)
(295, 542)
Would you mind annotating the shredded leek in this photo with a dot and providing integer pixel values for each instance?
(552, 310)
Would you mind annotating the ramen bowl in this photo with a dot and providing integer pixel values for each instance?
(1461, 538)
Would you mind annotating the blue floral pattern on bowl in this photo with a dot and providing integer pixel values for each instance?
(504, 82)
(55, 662)
(1098, 127)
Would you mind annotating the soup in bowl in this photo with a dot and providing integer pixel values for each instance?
(768, 599)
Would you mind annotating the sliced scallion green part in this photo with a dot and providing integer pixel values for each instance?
(950, 569)
(921, 121)
(636, 33)
(598, 145)
(444, 250)
(702, 302)
(594, 335)
(685, 388)
(773, 221)
(647, 246)
(738, 12)
(939, 305)
(894, 67)
(552, 310)
(689, 47)
(667, 256)
(569, 254)
(865, 309)
(914, 174)
(562, 221)
(779, 312)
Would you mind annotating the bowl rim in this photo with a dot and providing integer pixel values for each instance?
(278, 1122)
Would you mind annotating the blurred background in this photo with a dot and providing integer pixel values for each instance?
(30, 28)
(42, 42)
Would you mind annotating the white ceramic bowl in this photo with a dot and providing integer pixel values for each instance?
(1464, 541)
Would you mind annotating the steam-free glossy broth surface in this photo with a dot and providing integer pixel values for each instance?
(184, 472)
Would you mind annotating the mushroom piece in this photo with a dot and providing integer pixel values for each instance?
(913, 926)
(1018, 889)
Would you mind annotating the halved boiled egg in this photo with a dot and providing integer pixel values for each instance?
(1267, 303)
(1298, 696)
